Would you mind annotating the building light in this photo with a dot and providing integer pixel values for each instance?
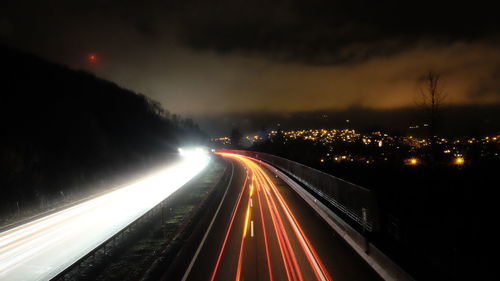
(459, 161)
(412, 161)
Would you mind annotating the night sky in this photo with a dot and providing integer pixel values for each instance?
(201, 57)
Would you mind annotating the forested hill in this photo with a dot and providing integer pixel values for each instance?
(64, 130)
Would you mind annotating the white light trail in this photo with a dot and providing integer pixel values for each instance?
(41, 249)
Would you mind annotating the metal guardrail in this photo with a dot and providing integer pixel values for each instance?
(354, 201)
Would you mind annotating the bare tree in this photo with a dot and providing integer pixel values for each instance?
(432, 100)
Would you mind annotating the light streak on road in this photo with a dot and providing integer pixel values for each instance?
(266, 243)
(41, 249)
(289, 257)
(271, 202)
(245, 228)
(212, 278)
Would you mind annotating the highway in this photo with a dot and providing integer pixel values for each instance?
(42, 248)
(264, 231)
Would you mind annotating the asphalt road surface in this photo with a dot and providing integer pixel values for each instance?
(264, 231)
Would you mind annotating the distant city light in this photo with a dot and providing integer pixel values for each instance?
(459, 161)
(340, 145)
(412, 161)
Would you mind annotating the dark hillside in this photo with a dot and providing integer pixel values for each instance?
(65, 132)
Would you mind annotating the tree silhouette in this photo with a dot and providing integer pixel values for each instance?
(67, 133)
(432, 97)
(235, 137)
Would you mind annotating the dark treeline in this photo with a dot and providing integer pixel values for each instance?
(66, 132)
(456, 120)
(436, 220)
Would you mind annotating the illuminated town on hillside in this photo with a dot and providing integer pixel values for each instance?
(348, 145)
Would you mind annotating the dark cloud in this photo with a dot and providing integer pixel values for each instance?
(317, 32)
(240, 56)
(324, 32)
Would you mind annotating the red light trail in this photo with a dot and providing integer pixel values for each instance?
(228, 231)
(285, 229)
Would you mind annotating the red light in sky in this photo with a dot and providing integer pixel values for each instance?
(92, 58)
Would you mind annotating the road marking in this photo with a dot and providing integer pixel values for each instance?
(251, 228)
(251, 203)
(186, 274)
